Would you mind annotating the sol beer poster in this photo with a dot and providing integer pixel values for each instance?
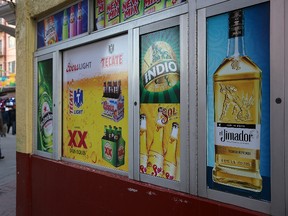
(95, 98)
(160, 104)
(238, 102)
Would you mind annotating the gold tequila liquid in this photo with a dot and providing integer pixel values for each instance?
(237, 123)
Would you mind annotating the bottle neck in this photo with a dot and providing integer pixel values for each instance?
(236, 47)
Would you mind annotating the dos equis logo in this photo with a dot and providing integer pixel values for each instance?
(75, 101)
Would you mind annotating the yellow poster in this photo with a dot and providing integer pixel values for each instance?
(95, 101)
(160, 140)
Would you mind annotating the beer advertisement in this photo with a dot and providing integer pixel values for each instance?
(95, 100)
(238, 102)
(160, 104)
(45, 106)
(70, 22)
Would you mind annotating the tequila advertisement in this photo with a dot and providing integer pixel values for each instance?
(160, 104)
(95, 98)
(45, 106)
(238, 102)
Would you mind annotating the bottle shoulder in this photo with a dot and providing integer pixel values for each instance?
(237, 68)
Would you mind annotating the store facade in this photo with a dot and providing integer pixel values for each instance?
(151, 107)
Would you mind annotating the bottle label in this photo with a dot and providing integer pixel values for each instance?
(237, 135)
(236, 28)
(155, 164)
(169, 170)
(143, 163)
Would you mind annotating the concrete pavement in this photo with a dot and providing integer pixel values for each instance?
(8, 176)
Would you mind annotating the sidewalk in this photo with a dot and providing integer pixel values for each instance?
(8, 176)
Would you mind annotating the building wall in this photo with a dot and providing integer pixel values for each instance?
(46, 187)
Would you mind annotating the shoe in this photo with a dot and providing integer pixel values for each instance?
(2, 157)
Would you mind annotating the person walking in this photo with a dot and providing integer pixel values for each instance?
(5, 118)
(12, 120)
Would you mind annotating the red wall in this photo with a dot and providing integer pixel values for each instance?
(52, 188)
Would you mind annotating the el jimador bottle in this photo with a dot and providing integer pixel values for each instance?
(237, 114)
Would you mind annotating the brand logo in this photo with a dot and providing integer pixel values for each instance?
(148, 3)
(77, 135)
(112, 61)
(111, 48)
(78, 97)
(76, 67)
(242, 136)
(101, 6)
(130, 8)
(158, 70)
(166, 114)
(75, 98)
(121, 153)
(108, 151)
(113, 10)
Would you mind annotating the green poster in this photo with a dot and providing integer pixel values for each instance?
(45, 108)
(160, 67)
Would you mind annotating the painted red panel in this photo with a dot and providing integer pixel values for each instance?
(60, 188)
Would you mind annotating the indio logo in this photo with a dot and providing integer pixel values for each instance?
(160, 70)
(108, 151)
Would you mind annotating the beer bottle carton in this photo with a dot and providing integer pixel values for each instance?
(113, 148)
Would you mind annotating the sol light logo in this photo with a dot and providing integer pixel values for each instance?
(76, 101)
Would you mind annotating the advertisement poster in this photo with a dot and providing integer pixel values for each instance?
(238, 100)
(112, 12)
(66, 24)
(45, 106)
(95, 100)
(160, 104)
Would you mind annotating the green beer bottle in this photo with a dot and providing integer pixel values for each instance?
(45, 114)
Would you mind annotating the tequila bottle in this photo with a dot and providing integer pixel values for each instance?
(237, 114)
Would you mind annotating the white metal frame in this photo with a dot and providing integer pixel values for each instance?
(277, 205)
(182, 22)
(35, 108)
(110, 32)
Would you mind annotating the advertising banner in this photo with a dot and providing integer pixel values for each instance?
(160, 104)
(111, 12)
(66, 24)
(45, 106)
(238, 95)
(95, 100)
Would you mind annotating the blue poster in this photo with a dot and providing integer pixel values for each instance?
(68, 23)
(238, 102)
